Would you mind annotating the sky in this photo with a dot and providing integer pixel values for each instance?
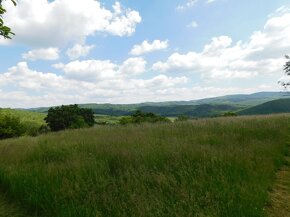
(128, 51)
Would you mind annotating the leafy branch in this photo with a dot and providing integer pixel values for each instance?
(5, 31)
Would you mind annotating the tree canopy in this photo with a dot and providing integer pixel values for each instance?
(5, 31)
(69, 117)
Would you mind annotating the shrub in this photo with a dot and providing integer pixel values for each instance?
(69, 117)
(142, 117)
(10, 126)
(230, 114)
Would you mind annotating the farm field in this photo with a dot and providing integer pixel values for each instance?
(211, 167)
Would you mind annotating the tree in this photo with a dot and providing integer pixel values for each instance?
(5, 31)
(69, 117)
(286, 84)
(287, 65)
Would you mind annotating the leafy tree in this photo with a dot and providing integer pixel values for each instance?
(5, 31)
(286, 84)
(287, 65)
(10, 126)
(69, 117)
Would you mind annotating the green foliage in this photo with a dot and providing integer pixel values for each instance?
(142, 117)
(272, 107)
(10, 126)
(69, 117)
(230, 114)
(32, 122)
(182, 118)
(216, 168)
(5, 31)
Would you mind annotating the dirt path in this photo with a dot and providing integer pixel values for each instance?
(280, 196)
(9, 210)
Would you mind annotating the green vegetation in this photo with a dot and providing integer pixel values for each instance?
(272, 107)
(18, 122)
(139, 117)
(219, 167)
(107, 119)
(280, 193)
(5, 31)
(69, 117)
(210, 107)
(10, 126)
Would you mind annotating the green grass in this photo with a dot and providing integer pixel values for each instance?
(107, 119)
(213, 168)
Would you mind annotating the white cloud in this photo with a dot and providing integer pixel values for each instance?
(51, 53)
(79, 50)
(193, 25)
(33, 88)
(133, 66)
(95, 70)
(147, 47)
(45, 23)
(89, 70)
(192, 3)
(188, 4)
(261, 55)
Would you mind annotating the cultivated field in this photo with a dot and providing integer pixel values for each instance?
(222, 167)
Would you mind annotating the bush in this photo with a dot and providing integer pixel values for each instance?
(141, 117)
(10, 126)
(69, 117)
(230, 114)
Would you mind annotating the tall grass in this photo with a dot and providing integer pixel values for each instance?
(218, 167)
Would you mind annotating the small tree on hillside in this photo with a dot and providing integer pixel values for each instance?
(69, 117)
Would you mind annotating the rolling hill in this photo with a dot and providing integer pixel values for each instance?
(272, 107)
(197, 108)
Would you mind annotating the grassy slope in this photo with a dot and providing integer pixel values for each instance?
(218, 167)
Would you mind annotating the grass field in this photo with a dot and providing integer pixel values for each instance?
(221, 167)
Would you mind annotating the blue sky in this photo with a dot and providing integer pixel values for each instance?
(87, 51)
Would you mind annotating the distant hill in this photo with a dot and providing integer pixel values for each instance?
(205, 110)
(197, 108)
(272, 107)
(244, 99)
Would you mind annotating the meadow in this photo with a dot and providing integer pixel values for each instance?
(220, 167)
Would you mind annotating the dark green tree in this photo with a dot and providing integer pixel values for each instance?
(69, 117)
(5, 31)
